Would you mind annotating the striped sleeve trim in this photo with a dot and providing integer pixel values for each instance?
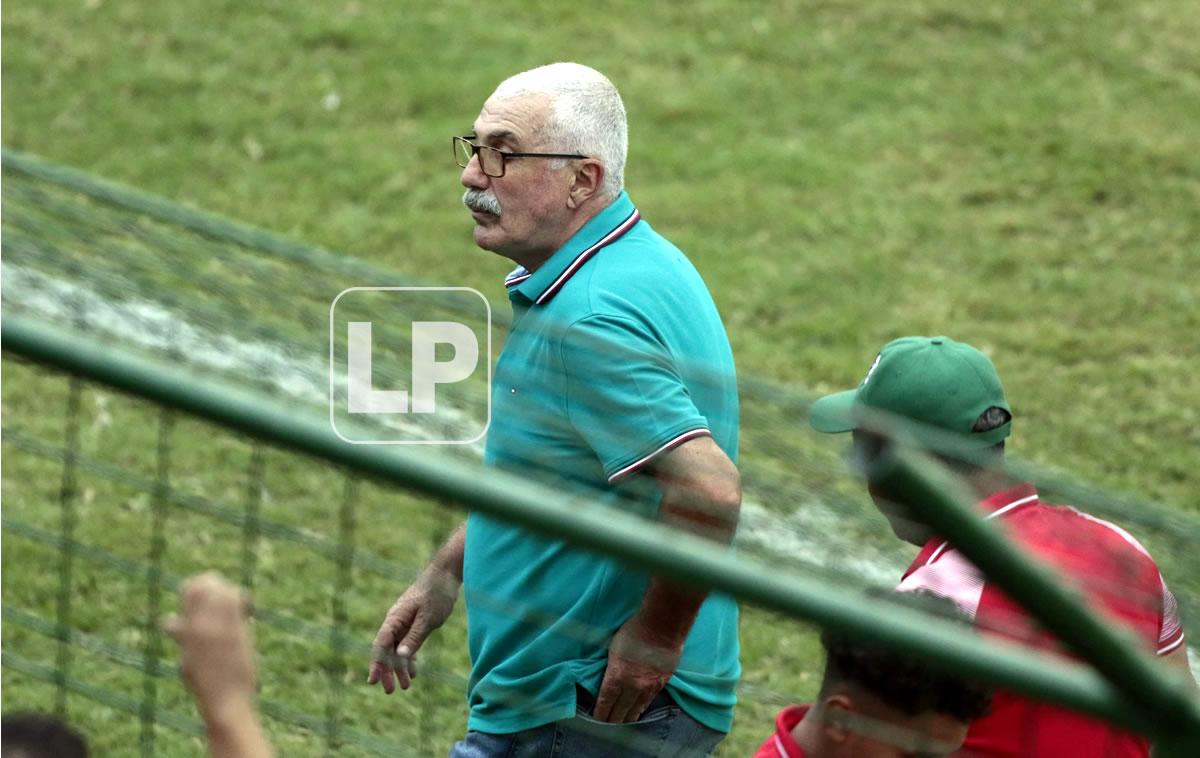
(954, 578)
(669, 445)
(1168, 648)
(1170, 634)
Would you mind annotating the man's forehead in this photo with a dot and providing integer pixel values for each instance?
(513, 119)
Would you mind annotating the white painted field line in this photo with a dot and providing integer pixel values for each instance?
(146, 324)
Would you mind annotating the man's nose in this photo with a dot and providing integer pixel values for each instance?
(473, 176)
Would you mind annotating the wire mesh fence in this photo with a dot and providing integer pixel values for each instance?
(111, 500)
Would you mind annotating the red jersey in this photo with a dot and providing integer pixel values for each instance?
(780, 744)
(1109, 566)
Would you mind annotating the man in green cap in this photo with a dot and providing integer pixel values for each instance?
(948, 396)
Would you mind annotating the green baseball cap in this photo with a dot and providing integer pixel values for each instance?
(934, 381)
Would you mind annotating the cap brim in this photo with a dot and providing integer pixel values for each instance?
(834, 413)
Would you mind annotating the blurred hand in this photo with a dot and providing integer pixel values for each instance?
(638, 668)
(215, 649)
(422, 608)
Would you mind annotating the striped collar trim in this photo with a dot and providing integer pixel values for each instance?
(520, 274)
(781, 748)
(999, 504)
(516, 276)
(586, 255)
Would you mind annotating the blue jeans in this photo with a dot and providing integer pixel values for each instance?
(663, 731)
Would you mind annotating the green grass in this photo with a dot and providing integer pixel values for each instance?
(1025, 177)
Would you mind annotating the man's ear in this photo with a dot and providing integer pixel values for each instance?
(585, 183)
(834, 726)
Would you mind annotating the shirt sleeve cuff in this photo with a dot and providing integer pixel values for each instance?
(671, 444)
(1166, 646)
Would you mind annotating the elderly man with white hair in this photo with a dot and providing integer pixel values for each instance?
(616, 381)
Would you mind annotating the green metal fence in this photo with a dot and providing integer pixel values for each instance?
(1135, 693)
(73, 468)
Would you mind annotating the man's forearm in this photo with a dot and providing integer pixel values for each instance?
(449, 557)
(234, 731)
(702, 516)
(669, 609)
(667, 612)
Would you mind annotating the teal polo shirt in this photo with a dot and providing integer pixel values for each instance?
(616, 355)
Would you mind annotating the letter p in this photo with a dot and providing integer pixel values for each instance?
(427, 371)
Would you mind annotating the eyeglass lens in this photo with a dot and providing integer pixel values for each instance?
(490, 159)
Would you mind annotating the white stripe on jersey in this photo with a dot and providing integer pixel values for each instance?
(953, 577)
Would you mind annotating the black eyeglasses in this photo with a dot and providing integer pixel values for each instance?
(491, 160)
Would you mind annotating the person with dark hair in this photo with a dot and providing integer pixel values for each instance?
(879, 703)
(38, 735)
(951, 388)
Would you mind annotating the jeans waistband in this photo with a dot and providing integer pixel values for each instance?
(587, 701)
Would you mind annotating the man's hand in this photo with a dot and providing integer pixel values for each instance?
(638, 668)
(701, 494)
(216, 655)
(423, 607)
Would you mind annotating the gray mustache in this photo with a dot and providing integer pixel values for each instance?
(484, 202)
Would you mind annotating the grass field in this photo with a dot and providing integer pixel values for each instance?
(1025, 177)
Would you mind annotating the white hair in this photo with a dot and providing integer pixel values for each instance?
(586, 115)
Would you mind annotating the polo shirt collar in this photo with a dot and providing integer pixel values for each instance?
(1006, 501)
(602, 230)
(996, 505)
(783, 742)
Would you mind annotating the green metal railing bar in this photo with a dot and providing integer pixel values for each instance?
(645, 545)
(939, 498)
